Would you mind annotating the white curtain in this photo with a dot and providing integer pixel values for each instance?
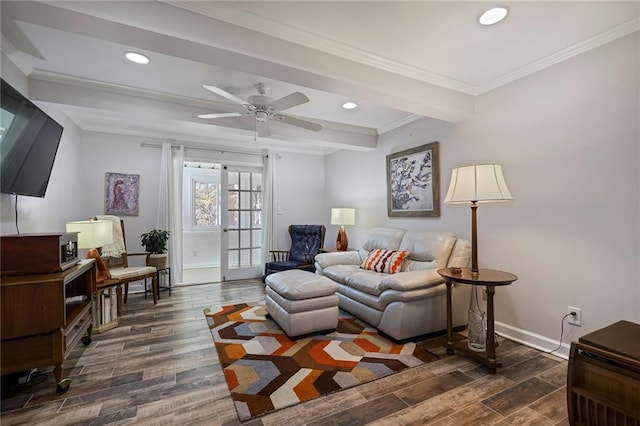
(164, 189)
(268, 218)
(170, 205)
(175, 211)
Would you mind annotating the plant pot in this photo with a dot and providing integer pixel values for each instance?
(160, 261)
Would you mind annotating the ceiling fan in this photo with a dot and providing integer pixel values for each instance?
(264, 109)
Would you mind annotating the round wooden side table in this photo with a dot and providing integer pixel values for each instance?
(490, 279)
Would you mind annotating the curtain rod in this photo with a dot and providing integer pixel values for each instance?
(153, 144)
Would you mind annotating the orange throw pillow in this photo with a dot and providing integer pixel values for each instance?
(385, 261)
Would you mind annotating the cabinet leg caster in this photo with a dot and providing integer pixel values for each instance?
(63, 386)
(86, 340)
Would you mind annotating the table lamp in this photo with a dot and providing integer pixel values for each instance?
(481, 183)
(93, 234)
(342, 216)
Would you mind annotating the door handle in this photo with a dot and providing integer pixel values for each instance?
(225, 229)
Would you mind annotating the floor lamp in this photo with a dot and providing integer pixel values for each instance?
(342, 216)
(482, 183)
(93, 234)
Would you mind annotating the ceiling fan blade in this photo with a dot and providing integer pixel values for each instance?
(298, 122)
(223, 115)
(262, 127)
(225, 94)
(288, 101)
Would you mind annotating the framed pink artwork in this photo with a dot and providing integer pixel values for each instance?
(121, 194)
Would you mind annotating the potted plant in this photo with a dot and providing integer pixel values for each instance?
(155, 243)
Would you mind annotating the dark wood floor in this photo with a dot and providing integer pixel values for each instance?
(160, 367)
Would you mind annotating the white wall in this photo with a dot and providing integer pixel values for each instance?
(299, 194)
(104, 153)
(568, 140)
(299, 183)
(63, 199)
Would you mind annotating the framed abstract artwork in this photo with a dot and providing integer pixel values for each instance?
(413, 182)
(121, 194)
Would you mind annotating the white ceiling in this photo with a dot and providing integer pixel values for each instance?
(398, 60)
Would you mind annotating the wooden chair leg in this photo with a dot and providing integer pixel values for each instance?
(154, 288)
(119, 296)
(126, 291)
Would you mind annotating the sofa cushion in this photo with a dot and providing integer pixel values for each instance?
(295, 284)
(386, 261)
(366, 281)
(385, 238)
(324, 260)
(381, 301)
(428, 246)
(412, 280)
(339, 273)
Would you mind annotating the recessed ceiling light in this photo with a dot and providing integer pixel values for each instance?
(493, 15)
(349, 105)
(138, 58)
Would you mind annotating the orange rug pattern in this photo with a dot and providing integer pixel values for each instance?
(266, 370)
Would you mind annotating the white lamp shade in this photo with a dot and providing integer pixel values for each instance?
(482, 183)
(92, 233)
(343, 216)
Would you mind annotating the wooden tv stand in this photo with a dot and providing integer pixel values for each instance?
(43, 318)
(603, 377)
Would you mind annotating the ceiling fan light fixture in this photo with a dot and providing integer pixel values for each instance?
(261, 116)
(137, 58)
(493, 15)
(349, 105)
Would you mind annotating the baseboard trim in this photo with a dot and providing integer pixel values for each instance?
(533, 340)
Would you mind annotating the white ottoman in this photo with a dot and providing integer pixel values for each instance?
(302, 302)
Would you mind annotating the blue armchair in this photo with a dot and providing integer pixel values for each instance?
(306, 242)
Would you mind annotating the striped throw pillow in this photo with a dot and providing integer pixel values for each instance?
(386, 261)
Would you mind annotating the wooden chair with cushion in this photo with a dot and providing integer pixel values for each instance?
(118, 268)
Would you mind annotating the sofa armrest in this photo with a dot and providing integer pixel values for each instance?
(411, 280)
(324, 260)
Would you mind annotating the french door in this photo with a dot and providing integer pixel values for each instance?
(241, 199)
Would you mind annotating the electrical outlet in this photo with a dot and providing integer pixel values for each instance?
(575, 319)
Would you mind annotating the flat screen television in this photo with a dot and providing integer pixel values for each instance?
(29, 141)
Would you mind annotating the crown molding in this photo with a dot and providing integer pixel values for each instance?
(230, 14)
(251, 21)
(605, 37)
(410, 118)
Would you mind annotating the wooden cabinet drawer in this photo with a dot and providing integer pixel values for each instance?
(77, 328)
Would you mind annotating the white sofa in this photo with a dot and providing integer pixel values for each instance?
(408, 303)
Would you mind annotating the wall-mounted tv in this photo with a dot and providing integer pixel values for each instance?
(29, 141)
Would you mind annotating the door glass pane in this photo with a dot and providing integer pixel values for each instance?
(256, 238)
(245, 239)
(245, 180)
(256, 256)
(256, 181)
(234, 180)
(234, 240)
(245, 258)
(257, 218)
(244, 200)
(245, 219)
(234, 198)
(256, 200)
(233, 219)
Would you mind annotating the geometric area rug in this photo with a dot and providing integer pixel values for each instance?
(265, 370)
